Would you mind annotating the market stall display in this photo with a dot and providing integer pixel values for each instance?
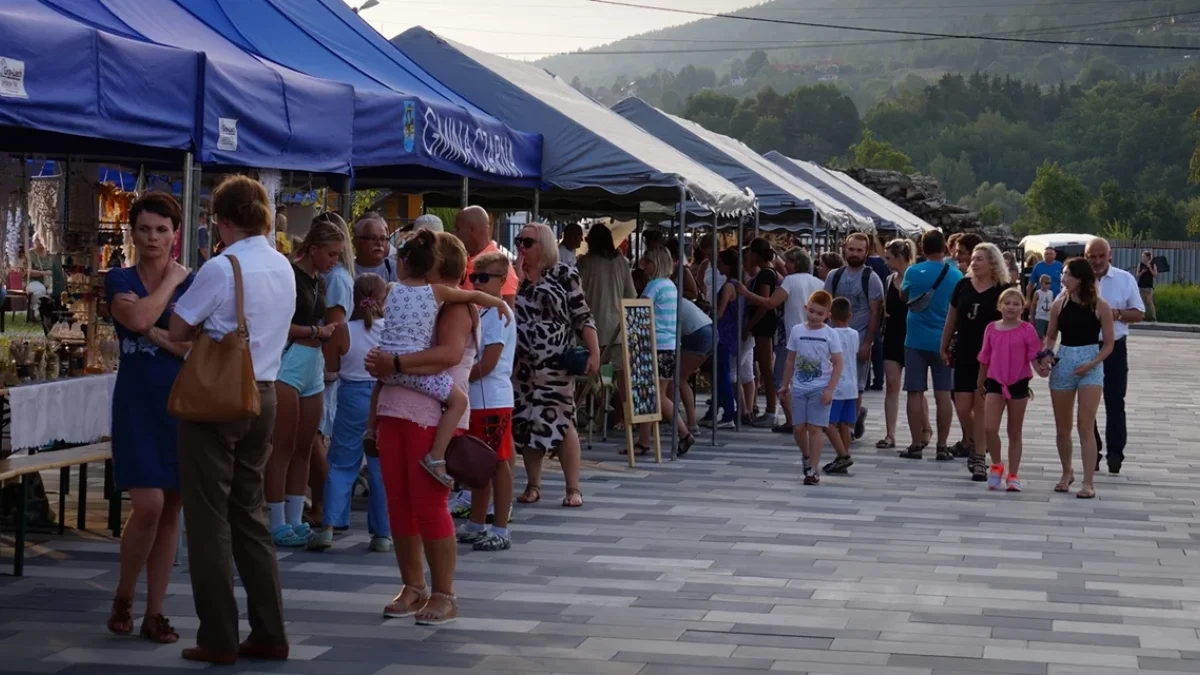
(641, 367)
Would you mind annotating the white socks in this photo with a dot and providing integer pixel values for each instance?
(276, 515)
(294, 509)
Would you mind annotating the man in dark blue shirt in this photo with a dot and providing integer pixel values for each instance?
(1050, 267)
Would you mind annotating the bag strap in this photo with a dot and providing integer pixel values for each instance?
(239, 296)
(837, 278)
(938, 282)
(866, 283)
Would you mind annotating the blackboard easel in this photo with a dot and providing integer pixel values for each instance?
(640, 358)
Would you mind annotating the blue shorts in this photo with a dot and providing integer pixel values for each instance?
(808, 409)
(303, 369)
(1063, 377)
(844, 411)
(699, 341)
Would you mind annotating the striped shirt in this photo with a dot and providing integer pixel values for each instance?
(666, 298)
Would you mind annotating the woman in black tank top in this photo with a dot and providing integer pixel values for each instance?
(1086, 324)
(899, 255)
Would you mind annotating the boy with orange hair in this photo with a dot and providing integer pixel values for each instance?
(815, 361)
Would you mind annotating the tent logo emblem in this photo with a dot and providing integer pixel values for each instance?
(227, 135)
(12, 78)
(410, 126)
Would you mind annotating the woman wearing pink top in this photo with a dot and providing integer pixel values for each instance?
(417, 502)
(1009, 346)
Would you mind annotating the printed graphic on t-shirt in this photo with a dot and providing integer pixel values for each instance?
(808, 369)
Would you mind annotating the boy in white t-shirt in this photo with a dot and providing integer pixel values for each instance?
(491, 394)
(1042, 300)
(815, 362)
(844, 412)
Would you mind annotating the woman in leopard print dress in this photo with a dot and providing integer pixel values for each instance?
(551, 311)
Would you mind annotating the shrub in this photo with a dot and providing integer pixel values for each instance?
(1178, 303)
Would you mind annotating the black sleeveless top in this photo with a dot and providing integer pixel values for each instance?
(895, 325)
(1145, 278)
(1079, 325)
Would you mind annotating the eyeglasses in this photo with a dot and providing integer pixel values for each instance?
(373, 240)
(525, 242)
(483, 277)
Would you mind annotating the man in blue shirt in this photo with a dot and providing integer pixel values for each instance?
(928, 286)
(1050, 267)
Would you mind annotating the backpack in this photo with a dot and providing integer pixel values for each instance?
(866, 281)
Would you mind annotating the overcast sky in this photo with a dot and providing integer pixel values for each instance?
(530, 29)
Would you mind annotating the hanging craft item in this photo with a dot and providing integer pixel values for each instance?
(271, 180)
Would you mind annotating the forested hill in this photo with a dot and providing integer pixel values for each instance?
(799, 53)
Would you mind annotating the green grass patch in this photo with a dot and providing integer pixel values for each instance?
(1178, 303)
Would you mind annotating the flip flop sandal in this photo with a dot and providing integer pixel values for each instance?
(1086, 492)
(885, 444)
(531, 495)
(431, 466)
(638, 450)
(1064, 485)
(433, 618)
(572, 492)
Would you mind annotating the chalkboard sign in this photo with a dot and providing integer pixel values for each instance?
(641, 371)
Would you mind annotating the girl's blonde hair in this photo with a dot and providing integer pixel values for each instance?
(370, 292)
(324, 232)
(661, 258)
(996, 260)
(1011, 290)
(347, 250)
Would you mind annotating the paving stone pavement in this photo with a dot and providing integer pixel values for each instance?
(724, 563)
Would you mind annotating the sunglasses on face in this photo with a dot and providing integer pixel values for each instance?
(477, 278)
(525, 242)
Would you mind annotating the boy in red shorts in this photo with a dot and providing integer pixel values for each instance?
(491, 408)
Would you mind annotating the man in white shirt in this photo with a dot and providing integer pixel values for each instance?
(221, 464)
(572, 238)
(1119, 288)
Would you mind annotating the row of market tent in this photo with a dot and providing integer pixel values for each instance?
(308, 86)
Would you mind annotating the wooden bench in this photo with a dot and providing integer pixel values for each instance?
(23, 467)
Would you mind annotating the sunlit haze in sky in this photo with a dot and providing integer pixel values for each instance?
(531, 29)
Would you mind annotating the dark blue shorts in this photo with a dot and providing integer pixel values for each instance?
(844, 412)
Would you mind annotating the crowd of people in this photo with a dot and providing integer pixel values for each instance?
(370, 359)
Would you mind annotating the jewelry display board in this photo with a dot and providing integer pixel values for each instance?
(640, 359)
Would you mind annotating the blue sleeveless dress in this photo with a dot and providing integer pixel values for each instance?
(143, 434)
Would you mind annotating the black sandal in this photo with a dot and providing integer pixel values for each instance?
(913, 452)
(639, 450)
(685, 444)
(945, 454)
(885, 444)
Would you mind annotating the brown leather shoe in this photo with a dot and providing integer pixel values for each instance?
(204, 656)
(264, 652)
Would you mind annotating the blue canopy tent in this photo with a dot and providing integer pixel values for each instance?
(403, 117)
(592, 158)
(783, 201)
(69, 87)
(886, 215)
(249, 112)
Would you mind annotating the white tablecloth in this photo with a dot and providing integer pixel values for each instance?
(75, 411)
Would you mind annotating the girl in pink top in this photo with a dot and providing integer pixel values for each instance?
(1009, 346)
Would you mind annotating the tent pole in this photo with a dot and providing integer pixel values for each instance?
(348, 199)
(537, 203)
(715, 406)
(189, 221)
(676, 394)
(465, 192)
(746, 406)
(755, 224)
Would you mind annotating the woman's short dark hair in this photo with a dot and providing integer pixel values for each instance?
(761, 248)
(600, 241)
(242, 202)
(933, 242)
(419, 253)
(728, 258)
(969, 240)
(158, 203)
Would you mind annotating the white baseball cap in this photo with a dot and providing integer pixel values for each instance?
(429, 222)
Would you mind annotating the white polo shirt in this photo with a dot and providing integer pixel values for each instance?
(1119, 289)
(268, 296)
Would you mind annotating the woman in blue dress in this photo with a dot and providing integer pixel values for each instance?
(140, 299)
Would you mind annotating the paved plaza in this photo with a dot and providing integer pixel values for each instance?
(725, 563)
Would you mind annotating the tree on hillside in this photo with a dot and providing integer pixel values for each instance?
(1010, 203)
(875, 154)
(767, 135)
(1056, 202)
(756, 62)
(825, 113)
(1113, 204)
(956, 178)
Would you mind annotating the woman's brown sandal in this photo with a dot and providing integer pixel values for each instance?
(401, 609)
(531, 495)
(120, 619)
(569, 500)
(430, 616)
(157, 628)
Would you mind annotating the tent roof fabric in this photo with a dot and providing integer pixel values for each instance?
(62, 76)
(887, 215)
(587, 147)
(402, 115)
(244, 111)
(778, 192)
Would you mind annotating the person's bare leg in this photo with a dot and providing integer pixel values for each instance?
(786, 402)
(570, 455)
(456, 406)
(891, 398)
(283, 442)
(411, 561)
(1016, 423)
(690, 364)
(945, 415)
(1089, 403)
(138, 537)
(814, 445)
(978, 418)
(480, 498)
(964, 405)
(993, 412)
(318, 471)
(306, 430)
(918, 415)
(927, 430)
(532, 460)
(502, 489)
(161, 562)
(1063, 403)
(834, 433)
(764, 355)
(847, 434)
